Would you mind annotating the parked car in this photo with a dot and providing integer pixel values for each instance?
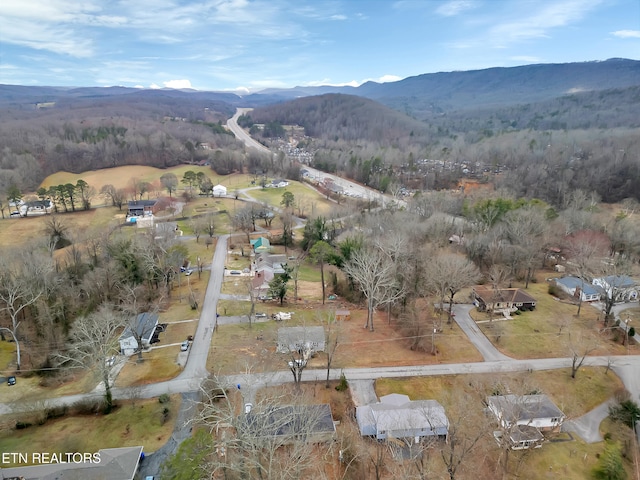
(264, 298)
(11, 380)
(111, 361)
(188, 272)
(235, 272)
(184, 346)
(248, 407)
(261, 315)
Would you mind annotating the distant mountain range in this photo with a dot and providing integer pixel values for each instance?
(420, 97)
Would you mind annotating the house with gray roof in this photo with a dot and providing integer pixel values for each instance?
(578, 288)
(142, 327)
(620, 288)
(396, 416)
(106, 464)
(312, 423)
(299, 339)
(523, 418)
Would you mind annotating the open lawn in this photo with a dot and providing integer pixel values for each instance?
(235, 345)
(133, 423)
(550, 329)
(308, 201)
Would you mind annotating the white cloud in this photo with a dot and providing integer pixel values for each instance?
(177, 84)
(338, 17)
(546, 18)
(626, 33)
(153, 86)
(455, 7)
(526, 59)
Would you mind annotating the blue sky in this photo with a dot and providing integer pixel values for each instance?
(248, 45)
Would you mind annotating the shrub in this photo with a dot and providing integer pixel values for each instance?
(22, 425)
(164, 398)
(343, 385)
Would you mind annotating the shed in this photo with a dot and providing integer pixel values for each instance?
(342, 315)
(219, 190)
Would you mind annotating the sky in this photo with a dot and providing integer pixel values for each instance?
(249, 45)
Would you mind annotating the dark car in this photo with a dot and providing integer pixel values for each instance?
(11, 380)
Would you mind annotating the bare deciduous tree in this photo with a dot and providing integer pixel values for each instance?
(92, 342)
(375, 274)
(447, 275)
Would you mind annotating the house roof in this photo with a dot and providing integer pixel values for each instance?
(300, 336)
(260, 244)
(144, 325)
(142, 203)
(115, 464)
(619, 281)
(290, 420)
(396, 412)
(575, 282)
(519, 408)
(220, 187)
(511, 295)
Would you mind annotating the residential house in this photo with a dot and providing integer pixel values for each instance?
(502, 299)
(578, 288)
(142, 327)
(260, 282)
(219, 190)
(107, 464)
(260, 245)
(396, 416)
(524, 417)
(312, 423)
(620, 288)
(301, 339)
(272, 263)
(139, 208)
(279, 183)
(35, 207)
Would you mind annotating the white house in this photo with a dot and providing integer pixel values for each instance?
(621, 288)
(578, 288)
(279, 183)
(395, 416)
(145, 326)
(533, 410)
(524, 417)
(219, 191)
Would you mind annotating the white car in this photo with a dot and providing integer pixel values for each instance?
(184, 346)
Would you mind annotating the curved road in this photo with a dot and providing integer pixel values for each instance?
(189, 380)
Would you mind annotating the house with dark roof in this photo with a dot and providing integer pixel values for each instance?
(107, 464)
(502, 299)
(578, 288)
(139, 208)
(396, 416)
(142, 327)
(312, 423)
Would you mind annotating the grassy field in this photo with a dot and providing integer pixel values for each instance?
(133, 423)
(545, 331)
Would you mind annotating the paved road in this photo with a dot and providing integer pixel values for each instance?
(241, 134)
(474, 334)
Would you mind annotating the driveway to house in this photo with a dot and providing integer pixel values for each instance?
(475, 335)
(588, 426)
